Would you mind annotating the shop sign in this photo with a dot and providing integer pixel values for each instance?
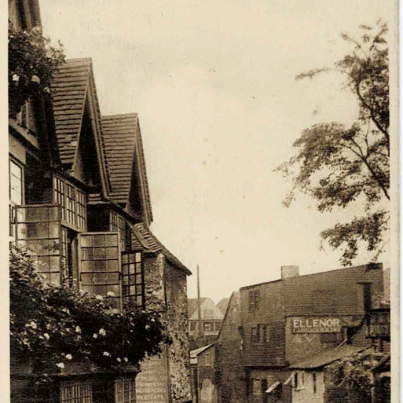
(316, 325)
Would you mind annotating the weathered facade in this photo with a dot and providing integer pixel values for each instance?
(78, 182)
(231, 375)
(285, 321)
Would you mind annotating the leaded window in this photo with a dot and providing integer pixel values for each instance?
(133, 277)
(76, 392)
(73, 202)
(59, 195)
(38, 230)
(81, 209)
(70, 204)
(99, 263)
(125, 390)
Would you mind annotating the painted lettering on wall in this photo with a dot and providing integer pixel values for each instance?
(152, 381)
(316, 325)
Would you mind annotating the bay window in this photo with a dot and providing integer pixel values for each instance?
(99, 265)
(37, 229)
(73, 203)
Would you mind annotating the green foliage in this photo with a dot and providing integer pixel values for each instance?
(338, 165)
(58, 325)
(31, 63)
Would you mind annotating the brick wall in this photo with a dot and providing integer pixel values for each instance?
(335, 291)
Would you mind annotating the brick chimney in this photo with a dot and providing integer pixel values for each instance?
(289, 271)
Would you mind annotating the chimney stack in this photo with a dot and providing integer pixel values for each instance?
(289, 272)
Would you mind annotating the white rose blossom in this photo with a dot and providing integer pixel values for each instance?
(60, 365)
(69, 357)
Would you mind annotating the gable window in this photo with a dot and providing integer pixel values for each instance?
(125, 391)
(76, 392)
(254, 300)
(133, 277)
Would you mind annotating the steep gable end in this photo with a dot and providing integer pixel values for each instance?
(126, 162)
(78, 120)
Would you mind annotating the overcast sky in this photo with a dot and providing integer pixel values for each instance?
(214, 85)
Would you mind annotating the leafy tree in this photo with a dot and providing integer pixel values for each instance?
(337, 164)
(31, 63)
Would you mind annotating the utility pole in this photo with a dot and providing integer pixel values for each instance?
(199, 318)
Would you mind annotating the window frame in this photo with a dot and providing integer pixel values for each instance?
(254, 300)
(74, 203)
(77, 386)
(91, 273)
(12, 203)
(134, 275)
(132, 390)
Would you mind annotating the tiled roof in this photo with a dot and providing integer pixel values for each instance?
(120, 140)
(150, 242)
(70, 86)
(123, 144)
(327, 357)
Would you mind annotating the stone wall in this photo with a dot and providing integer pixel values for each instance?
(177, 327)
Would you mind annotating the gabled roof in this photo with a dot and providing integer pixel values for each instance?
(125, 157)
(73, 88)
(193, 304)
(327, 357)
(222, 305)
(150, 243)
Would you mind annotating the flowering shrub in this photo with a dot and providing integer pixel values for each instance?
(57, 325)
(31, 63)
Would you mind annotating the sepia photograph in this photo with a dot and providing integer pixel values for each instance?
(203, 201)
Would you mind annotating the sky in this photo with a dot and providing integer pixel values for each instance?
(214, 85)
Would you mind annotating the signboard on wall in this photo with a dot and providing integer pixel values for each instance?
(152, 381)
(316, 325)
